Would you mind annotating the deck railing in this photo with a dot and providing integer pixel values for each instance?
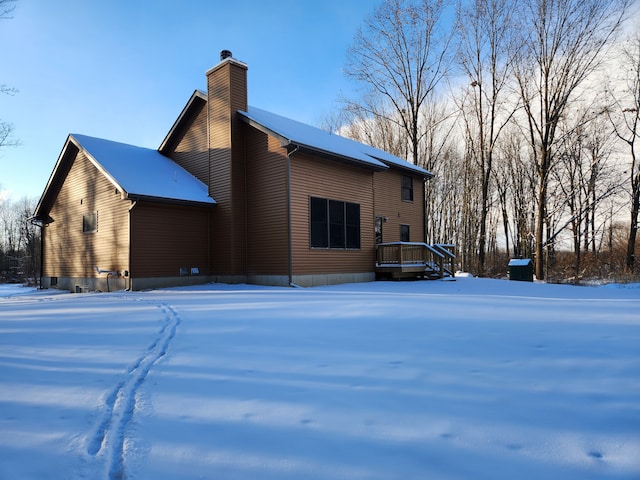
(414, 259)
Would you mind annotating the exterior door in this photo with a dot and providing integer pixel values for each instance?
(379, 222)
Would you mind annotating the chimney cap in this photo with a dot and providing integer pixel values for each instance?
(226, 58)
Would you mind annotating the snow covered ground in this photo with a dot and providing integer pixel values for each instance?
(472, 379)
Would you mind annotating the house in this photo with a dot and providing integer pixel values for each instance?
(234, 194)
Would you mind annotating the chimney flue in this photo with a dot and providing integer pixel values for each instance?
(224, 54)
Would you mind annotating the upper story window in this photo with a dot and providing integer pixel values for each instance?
(334, 224)
(90, 222)
(407, 188)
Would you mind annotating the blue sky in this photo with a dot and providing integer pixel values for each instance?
(123, 69)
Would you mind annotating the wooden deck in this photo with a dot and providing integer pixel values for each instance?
(414, 260)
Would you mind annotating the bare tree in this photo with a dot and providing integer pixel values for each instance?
(400, 55)
(445, 207)
(562, 45)
(6, 128)
(625, 118)
(19, 238)
(6, 8)
(521, 176)
(515, 180)
(30, 240)
(584, 176)
(380, 130)
(486, 52)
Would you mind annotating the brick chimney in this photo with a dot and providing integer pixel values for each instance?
(226, 94)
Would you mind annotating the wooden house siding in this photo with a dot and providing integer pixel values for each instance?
(267, 233)
(389, 204)
(315, 177)
(69, 252)
(167, 238)
(192, 149)
(227, 93)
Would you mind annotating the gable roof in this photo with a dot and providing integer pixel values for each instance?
(197, 101)
(139, 173)
(142, 172)
(293, 134)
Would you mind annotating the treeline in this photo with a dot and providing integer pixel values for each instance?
(19, 242)
(526, 111)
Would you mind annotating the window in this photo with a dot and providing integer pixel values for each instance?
(334, 224)
(407, 188)
(404, 233)
(352, 225)
(319, 223)
(90, 222)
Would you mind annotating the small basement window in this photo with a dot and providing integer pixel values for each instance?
(90, 222)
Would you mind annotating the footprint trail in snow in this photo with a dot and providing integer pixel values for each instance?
(108, 440)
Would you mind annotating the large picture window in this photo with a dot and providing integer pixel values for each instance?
(334, 224)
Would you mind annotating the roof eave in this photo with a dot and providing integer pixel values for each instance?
(337, 157)
(409, 167)
(43, 206)
(424, 173)
(100, 168)
(136, 197)
(291, 144)
(284, 141)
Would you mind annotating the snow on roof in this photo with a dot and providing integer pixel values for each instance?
(520, 262)
(306, 136)
(143, 172)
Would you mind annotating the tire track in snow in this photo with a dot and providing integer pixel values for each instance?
(109, 437)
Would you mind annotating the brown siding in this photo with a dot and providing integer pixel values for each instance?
(267, 234)
(191, 151)
(389, 204)
(165, 238)
(227, 93)
(69, 251)
(326, 179)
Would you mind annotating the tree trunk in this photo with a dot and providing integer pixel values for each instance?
(540, 222)
(633, 231)
(482, 244)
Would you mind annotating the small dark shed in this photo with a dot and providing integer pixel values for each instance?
(521, 269)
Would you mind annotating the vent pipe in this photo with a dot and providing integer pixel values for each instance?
(224, 54)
